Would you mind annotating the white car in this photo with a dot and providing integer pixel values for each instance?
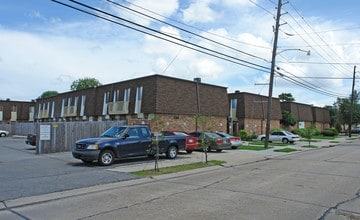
(3, 133)
(280, 136)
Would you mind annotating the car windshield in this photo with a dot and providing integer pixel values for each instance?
(223, 134)
(113, 132)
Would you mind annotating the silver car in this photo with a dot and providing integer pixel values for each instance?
(280, 136)
(3, 133)
(235, 141)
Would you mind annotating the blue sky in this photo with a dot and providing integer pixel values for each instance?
(46, 46)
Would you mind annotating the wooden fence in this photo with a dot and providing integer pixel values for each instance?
(55, 137)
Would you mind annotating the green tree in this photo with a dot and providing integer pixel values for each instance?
(204, 144)
(307, 133)
(84, 83)
(343, 106)
(286, 97)
(48, 94)
(287, 119)
(334, 117)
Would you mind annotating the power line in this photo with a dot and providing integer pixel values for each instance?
(166, 36)
(193, 27)
(182, 29)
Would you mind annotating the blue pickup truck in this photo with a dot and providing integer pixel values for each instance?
(123, 142)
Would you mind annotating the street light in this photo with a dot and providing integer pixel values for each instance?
(308, 53)
(271, 83)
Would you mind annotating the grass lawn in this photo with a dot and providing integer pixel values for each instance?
(178, 168)
(285, 150)
(310, 146)
(252, 147)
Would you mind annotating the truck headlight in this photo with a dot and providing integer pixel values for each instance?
(93, 147)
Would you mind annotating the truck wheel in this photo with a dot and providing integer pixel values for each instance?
(263, 139)
(218, 150)
(285, 141)
(171, 152)
(106, 157)
(189, 151)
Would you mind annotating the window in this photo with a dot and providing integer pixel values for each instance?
(116, 96)
(53, 110)
(139, 91)
(133, 132)
(145, 132)
(233, 103)
(127, 95)
(62, 108)
(13, 108)
(82, 109)
(105, 103)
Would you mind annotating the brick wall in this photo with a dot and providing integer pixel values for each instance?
(185, 123)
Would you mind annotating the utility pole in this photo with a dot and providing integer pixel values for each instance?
(352, 102)
(272, 72)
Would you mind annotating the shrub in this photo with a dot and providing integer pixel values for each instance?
(243, 135)
(276, 129)
(252, 137)
(335, 131)
(329, 132)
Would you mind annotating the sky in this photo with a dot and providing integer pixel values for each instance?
(45, 45)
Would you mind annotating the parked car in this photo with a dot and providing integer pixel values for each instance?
(213, 140)
(355, 131)
(123, 142)
(3, 133)
(280, 136)
(235, 141)
(31, 139)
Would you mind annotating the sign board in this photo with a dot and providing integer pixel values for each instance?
(301, 124)
(45, 132)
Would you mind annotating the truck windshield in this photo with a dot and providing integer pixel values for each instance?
(113, 132)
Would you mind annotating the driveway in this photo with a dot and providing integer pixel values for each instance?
(23, 173)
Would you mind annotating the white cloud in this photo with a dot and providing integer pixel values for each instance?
(200, 11)
(51, 55)
(158, 9)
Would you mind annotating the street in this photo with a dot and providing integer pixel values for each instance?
(321, 183)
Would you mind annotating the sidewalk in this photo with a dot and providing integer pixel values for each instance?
(231, 157)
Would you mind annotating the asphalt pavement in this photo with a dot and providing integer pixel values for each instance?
(233, 158)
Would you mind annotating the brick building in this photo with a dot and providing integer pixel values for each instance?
(160, 101)
(249, 112)
(307, 115)
(321, 118)
(16, 111)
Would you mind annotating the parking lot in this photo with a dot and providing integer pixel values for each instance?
(23, 173)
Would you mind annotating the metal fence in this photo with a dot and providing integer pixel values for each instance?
(55, 137)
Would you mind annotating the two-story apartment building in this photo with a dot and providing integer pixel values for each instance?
(162, 102)
(16, 111)
(307, 115)
(249, 112)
